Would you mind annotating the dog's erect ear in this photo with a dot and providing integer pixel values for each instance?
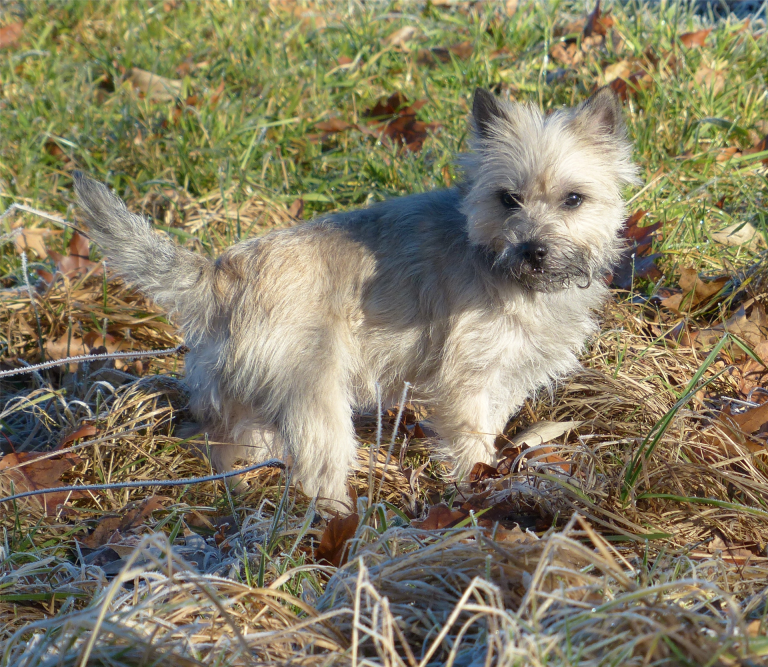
(486, 109)
(602, 114)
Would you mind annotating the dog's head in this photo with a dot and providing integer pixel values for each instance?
(543, 193)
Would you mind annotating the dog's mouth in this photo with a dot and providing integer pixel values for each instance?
(560, 268)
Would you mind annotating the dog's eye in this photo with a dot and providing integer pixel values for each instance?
(511, 201)
(573, 200)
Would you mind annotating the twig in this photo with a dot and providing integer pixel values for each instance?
(271, 463)
(139, 354)
(13, 208)
(406, 387)
(34, 305)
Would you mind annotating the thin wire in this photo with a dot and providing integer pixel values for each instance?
(96, 357)
(271, 463)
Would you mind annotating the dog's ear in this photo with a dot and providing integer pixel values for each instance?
(602, 114)
(486, 109)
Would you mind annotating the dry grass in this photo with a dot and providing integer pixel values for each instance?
(664, 589)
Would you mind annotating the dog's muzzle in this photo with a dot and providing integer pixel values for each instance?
(543, 266)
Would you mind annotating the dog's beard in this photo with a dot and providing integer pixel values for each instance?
(565, 266)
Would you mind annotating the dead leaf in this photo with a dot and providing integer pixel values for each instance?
(334, 125)
(85, 431)
(399, 37)
(395, 120)
(440, 516)
(691, 39)
(9, 34)
(112, 528)
(482, 471)
(57, 152)
(695, 291)
(752, 328)
(636, 262)
(740, 233)
(76, 262)
(333, 542)
(296, 209)
(727, 153)
(516, 535)
(753, 419)
(542, 432)
(462, 51)
(713, 80)
(598, 23)
(152, 86)
(568, 54)
(34, 239)
(619, 70)
(510, 7)
(39, 473)
(59, 348)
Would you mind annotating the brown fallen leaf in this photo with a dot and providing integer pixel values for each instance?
(112, 528)
(10, 34)
(443, 54)
(711, 80)
(400, 37)
(34, 239)
(440, 516)
(697, 38)
(618, 70)
(57, 152)
(740, 234)
(152, 86)
(333, 543)
(567, 53)
(296, 209)
(76, 262)
(751, 327)
(482, 471)
(598, 23)
(85, 431)
(334, 125)
(636, 260)
(753, 419)
(515, 535)
(695, 291)
(39, 473)
(394, 119)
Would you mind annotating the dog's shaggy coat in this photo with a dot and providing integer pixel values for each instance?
(478, 295)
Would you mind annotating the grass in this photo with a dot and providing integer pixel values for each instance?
(650, 551)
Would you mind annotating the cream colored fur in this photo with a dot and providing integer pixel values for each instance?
(476, 298)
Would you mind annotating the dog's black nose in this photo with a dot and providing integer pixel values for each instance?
(534, 253)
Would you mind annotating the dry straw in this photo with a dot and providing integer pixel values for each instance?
(672, 572)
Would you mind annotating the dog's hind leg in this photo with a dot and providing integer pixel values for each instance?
(316, 427)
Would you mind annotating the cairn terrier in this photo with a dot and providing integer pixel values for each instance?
(478, 296)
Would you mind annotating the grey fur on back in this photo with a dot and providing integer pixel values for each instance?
(478, 296)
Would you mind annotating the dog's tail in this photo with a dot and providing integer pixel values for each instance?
(179, 280)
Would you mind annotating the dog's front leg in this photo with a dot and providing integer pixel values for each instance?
(468, 425)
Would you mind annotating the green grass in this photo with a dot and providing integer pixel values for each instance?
(281, 75)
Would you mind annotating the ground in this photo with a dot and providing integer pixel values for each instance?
(627, 523)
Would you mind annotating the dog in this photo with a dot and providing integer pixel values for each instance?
(478, 295)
